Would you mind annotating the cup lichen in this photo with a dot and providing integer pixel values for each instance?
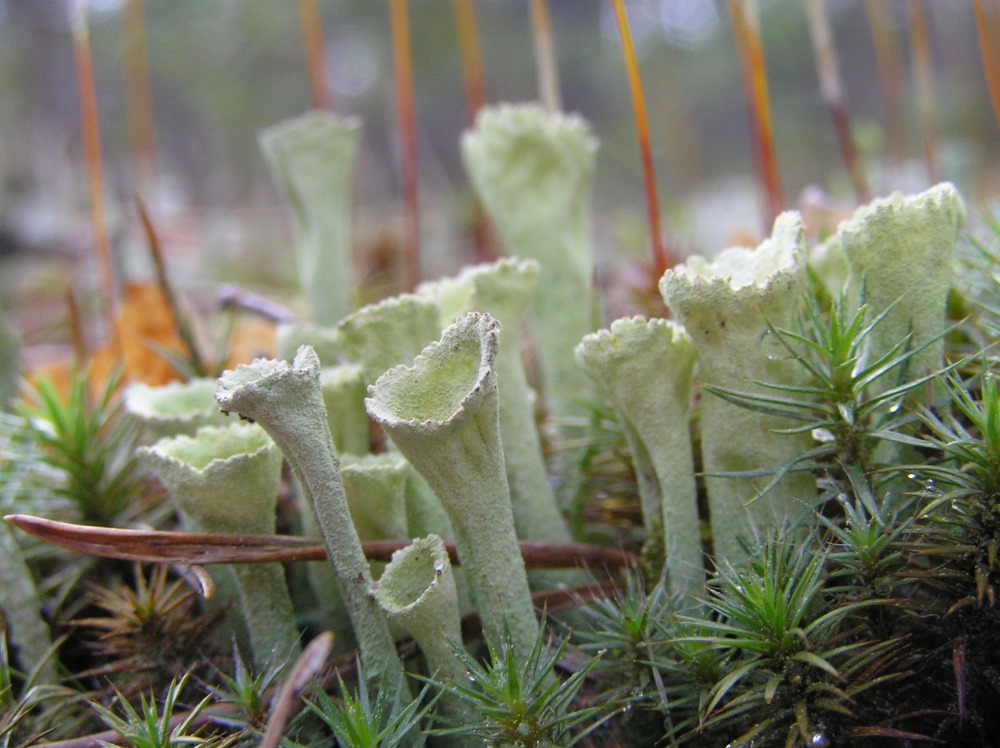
(442, 414)
(225, 480)
(726, 304)
(287, 401)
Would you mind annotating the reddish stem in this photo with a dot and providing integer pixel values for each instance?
(923, 76)
(889, 60)
(312, 42)
(751, 53)
(92, 152)
(833, 92)
(988, 28)
(399, 20)
(545, 56)
(473, 81)
(138, 98)
(474, 86)
(660, 262)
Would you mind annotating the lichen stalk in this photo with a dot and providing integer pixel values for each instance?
(225, 480)
(533, 172)
(312, 158)
(645, 367)
(286, 400)
(417, 590)
(900, 249)
(726, 304)
(442, 414)
(505, 289)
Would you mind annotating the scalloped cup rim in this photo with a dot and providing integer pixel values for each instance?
(378, 409)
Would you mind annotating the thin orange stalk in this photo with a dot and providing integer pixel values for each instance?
(545, 56)
(474, 85)
(988, 28)
(923, 75)
(138, 99)
(400, 23)
(747, 33)
(312, 41)
(473, 80)
(889, 60)
(92, 151)
(833, 92)
(660, 261)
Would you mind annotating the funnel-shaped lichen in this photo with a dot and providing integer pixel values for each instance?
(726, 304)
(312, 157)
(644, 367)
(442, 414)
(504, 289)
(225, 480)
(287, 401)
(533, 172)
(900, 251)
(344, 397)
(173, 409)
(383, 335)
(417, 590)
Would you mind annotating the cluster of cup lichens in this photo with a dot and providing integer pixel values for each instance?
(434, 371)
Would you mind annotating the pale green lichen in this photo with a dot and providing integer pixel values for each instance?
(174, 408)
(726, 304)
(312, 157)
(442, 414)
(900, 250)
(375, 486)
(286, 400)
(644, 366)
(380, 336)
(505, 289)
(344, 397)
(225, 480)
(417, 590)
(533, 172)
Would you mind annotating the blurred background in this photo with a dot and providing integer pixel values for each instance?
(219, 71)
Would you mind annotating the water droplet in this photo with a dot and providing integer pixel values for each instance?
(911, 476)
(818, 740)
(823, 435)
(894, 408)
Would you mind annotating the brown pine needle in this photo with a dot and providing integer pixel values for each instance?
(545, 57)
(923, 77)
(832, 87)
(988, 27)
(202, 549)
(751, 52)
(312, 42)
(660, 262)
(309, 665)
(403, 65)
